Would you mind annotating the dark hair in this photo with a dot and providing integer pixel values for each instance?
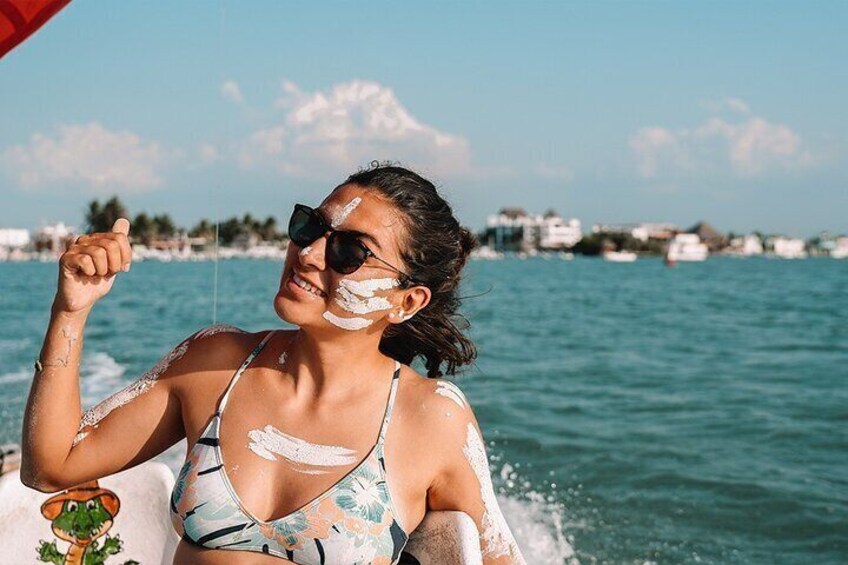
(434, 250)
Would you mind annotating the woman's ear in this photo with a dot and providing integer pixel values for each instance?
(414, 299)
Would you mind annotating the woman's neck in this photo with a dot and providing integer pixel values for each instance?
(338, 365)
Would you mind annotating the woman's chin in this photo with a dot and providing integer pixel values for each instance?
(286, 310)
(295, 312)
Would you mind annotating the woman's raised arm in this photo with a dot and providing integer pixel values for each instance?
(62, 446)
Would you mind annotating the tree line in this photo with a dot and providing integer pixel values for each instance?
(145, 228)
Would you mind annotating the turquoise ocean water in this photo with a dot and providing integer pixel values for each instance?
(633, 413)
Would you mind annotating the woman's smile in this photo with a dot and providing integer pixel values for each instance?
(300, 286)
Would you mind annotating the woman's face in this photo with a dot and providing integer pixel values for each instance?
(360, 301)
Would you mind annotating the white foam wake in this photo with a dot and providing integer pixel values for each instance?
(536, 522)
(16, 377)
(100, 376)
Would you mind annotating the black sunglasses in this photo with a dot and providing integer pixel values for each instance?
(345, 251)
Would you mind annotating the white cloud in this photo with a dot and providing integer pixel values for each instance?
(208, 153)
(231, 91)
(737, 105)
(292, 95)
(729, 104)
(335, 131)
(653, 145)
(755, 145)
(86, 154)
(752, 146)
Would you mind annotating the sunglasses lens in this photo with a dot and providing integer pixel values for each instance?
(304, 228)
(345, 253)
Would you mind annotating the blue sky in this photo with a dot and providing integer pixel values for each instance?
(730, 112)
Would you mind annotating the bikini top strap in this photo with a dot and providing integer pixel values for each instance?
(241, 369)
(390, 404)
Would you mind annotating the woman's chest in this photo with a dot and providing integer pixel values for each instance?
(276, 462)
(353, 521)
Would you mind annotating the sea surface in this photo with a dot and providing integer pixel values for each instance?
(633, 413)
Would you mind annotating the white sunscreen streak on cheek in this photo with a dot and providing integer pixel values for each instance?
(270, 441)
(353, 303)
(358, 297)
(305, 251)
(340, 216)
(450, 390)
(95, 414)
(496, 534)
(347, 323)
(367, 287)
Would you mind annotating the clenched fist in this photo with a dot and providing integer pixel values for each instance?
(88, 267)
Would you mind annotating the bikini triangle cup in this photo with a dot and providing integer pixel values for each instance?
(380, 438)
(354, 520)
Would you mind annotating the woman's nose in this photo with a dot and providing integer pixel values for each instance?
(313, 254)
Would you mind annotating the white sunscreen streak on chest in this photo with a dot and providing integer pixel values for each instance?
(270, 442)
(340, 216)
(450, 390)
(496, 534)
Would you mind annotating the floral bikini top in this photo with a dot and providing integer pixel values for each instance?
(354, 521)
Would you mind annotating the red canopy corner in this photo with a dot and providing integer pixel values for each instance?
(21, 18)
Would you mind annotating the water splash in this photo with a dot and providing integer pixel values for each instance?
(535, 516)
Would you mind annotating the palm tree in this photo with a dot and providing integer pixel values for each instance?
(204, 228)
(268, 229)
(101, 219)
(164, 225)
(143, 229)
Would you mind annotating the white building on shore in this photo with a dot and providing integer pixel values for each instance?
(556, 232)
(513, 229)
(13, 242)
(52, 238)
(14, 237)
(787, 248)
(840, 250)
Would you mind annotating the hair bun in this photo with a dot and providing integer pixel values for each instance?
(467, 241)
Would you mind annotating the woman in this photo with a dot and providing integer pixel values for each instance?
(332, 448)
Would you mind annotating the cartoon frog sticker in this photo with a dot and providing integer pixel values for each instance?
(81, 515)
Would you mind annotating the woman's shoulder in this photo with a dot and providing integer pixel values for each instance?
(435, 404)
(217, 342)
(214, 347)
(224, 335)
(206, 332)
